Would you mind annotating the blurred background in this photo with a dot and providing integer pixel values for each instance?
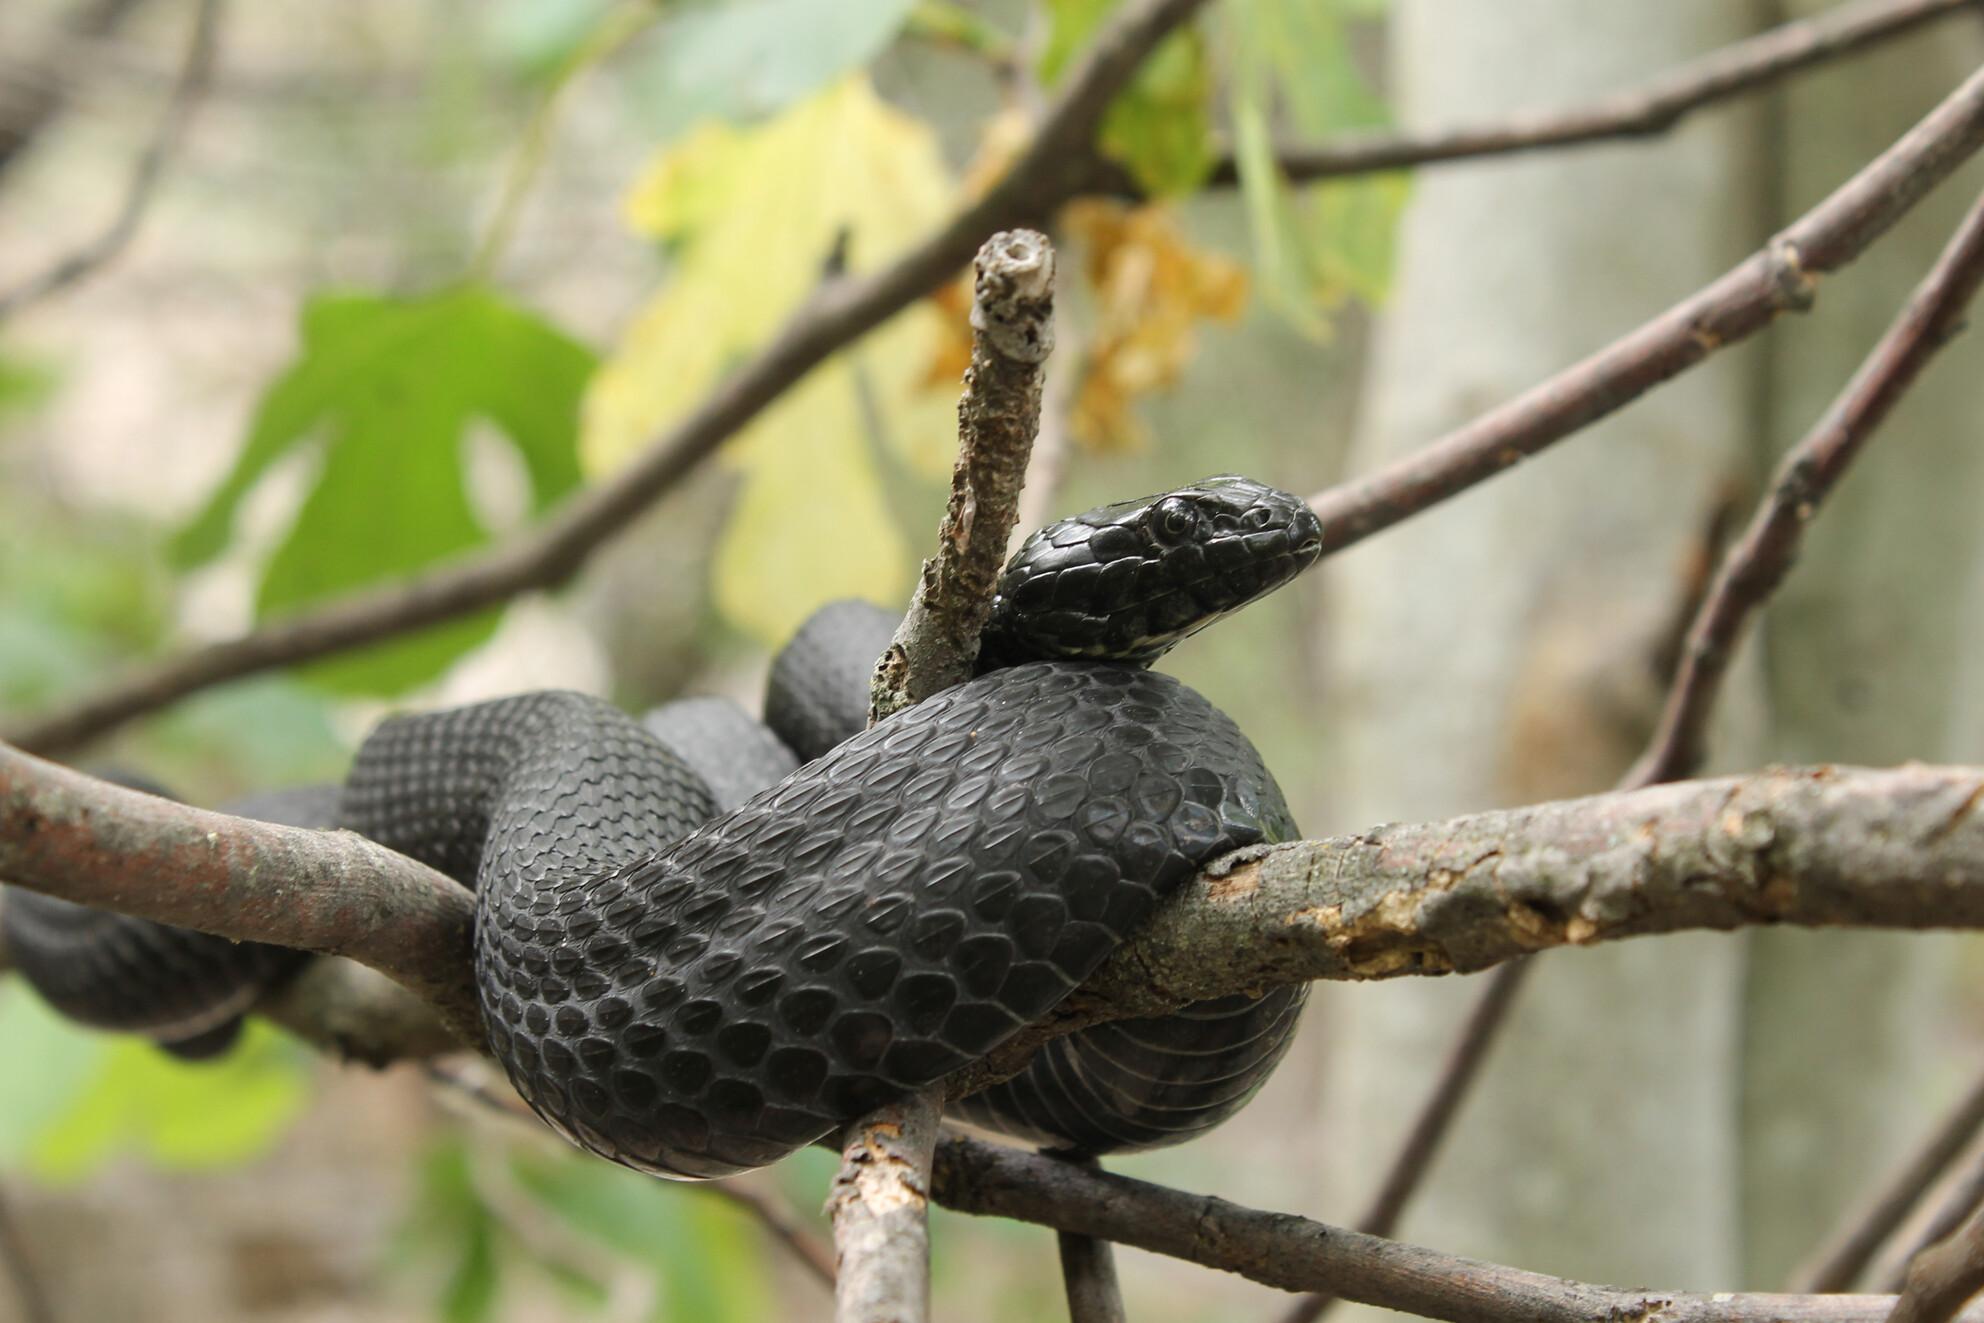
(415, 269)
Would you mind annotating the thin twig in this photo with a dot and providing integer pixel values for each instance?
(1839, 1262)
(1941, 1278)
(612, 32)
(35, 107)
(1045, 175)
(1650, 109)
(17, 1262)
(1414, 1158)
(1964, 1198)
(880, 1210)
(1294, 1254)
(99, 252)
(1759, 561)
(1012, 324)
(1781, 278)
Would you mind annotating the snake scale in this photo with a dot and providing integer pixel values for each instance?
(700, 947)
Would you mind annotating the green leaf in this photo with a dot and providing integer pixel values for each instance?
(175, 1114)
(1160, 126)
(383, 393)
(752, 58)
(1335, 240)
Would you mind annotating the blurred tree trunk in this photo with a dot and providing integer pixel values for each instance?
(1509, 647)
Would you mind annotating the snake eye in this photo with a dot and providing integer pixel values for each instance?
(1176, 520)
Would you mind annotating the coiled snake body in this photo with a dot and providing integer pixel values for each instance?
(693, 992)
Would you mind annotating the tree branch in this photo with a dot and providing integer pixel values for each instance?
(1012, 322)
(1942, 1277)
(1804, 478)
(1781, 278)
(1414, 1158)
(1960, 1202)
(1838, 1263)
(1652, 108)
(335, 893)
(1045, 175)
(169, 129)
(1821, 846)
(880, 1210)
(1295, 1254)
(36, 107)
(878, 1204)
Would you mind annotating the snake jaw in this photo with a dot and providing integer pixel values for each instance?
(1130, 581)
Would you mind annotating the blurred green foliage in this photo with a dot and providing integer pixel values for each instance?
(492, 1216)
(93, 1097)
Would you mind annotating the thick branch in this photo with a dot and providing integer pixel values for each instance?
(1653, 108)
(1782, 278)
(143, 184)
(335, 893)
(357, 1014)
(1806, 476)
(1294, 1254)
(1824, 846)
(1045, 175)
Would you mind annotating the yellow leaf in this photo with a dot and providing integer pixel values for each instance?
(1151, 289)
(752, 217)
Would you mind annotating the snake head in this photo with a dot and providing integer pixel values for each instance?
(1127, 582)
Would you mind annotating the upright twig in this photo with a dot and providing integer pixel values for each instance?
(1012, 325)
(880, 1208)
(1088, 1272)
(879, 1198)
(1838, 1263)
(17, 1262)
(1943, 1276)
(1769, 547)
(98, 252)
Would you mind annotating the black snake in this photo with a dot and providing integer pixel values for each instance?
(692, 962)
